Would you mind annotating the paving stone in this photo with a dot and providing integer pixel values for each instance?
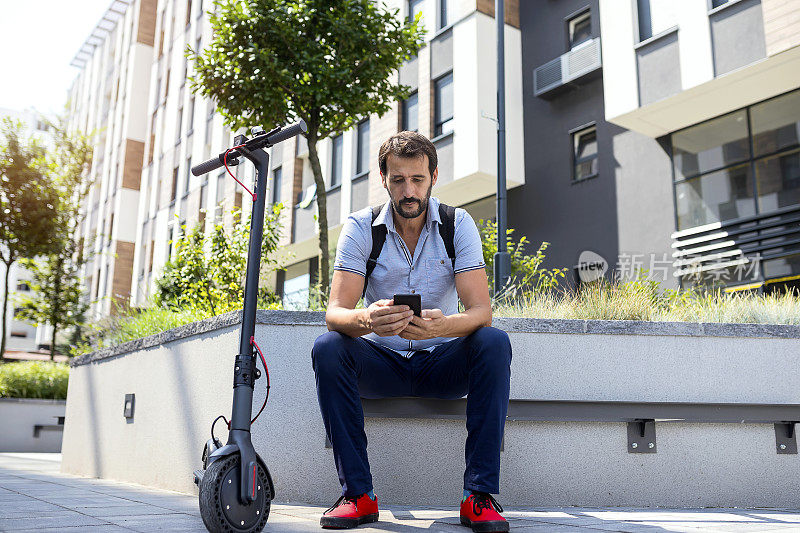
(104, 528)
(63, 519)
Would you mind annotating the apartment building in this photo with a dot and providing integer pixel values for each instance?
(453, 103)
(664, 135)
(108, 98)
(655, 135)
(20, 335)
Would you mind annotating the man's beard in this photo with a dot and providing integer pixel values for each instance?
(409, 203)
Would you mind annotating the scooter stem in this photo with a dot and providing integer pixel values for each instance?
(245, 369)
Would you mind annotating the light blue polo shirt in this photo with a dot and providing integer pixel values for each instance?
(428, 272)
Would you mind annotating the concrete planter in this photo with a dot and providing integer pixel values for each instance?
(715, 392)
(31, 425)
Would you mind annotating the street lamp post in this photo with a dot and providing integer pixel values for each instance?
(502, 261)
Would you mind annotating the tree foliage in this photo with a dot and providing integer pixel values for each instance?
(56, 284)
(207, 272)
(329, 63)
(27, 204)
(527, 276)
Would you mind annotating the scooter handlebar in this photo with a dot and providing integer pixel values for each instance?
(286, 133)
(207, 166)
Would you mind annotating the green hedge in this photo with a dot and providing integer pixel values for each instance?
(34, 379)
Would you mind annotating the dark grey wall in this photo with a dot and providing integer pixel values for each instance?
(628, 207)
(571, 216)
(737, 36)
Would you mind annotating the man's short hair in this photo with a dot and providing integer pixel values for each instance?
(408, 144)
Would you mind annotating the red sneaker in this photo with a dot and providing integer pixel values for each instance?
(350, 512)
(478, 512)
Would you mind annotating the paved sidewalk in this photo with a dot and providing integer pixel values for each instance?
(35, 496)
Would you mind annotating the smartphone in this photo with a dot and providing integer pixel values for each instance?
(414, 301)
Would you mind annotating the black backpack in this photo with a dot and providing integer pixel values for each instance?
(447, 230)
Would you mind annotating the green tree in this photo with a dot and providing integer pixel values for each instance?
(207, 273)
(329, 63)
(27, 204)
(57, 287)
(527, 275)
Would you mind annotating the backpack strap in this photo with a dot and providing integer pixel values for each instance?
(447, 230)
(378, 238)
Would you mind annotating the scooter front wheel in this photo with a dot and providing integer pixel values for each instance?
(219, 498)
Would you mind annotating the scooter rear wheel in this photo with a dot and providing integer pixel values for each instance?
(219, 501)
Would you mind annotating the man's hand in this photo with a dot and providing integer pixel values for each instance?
(431, 325)
(387, 319)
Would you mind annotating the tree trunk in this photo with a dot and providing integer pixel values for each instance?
(322, 219)
(53, 342)
(5, 310)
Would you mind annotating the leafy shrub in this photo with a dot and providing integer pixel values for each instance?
(207, 273)
(527, 275)
(34, 379)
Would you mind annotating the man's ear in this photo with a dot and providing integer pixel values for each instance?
(435, 176)
(383, 181)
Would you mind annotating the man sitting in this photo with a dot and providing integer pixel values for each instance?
(385, 351)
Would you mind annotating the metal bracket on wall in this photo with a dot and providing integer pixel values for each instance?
(786, 437)
(642, 436)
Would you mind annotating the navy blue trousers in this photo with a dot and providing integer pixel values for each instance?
(350, 368)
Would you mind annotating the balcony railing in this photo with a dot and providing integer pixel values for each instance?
(568, 68)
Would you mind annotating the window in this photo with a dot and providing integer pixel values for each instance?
(580, 29)
(445, 12)
(178, 126)
(711, 145)
(190, 121)
(409, 113)
(717, 3)
(166, 89)
(188, 12)
(23, 286)
(362, 147)
(717, 176)
(174, 183)
(201, 211)
(584, 146)
(188, 175)
(220, 193)
(443, 105)
(277, 174)
(656, 16)
(19, 334)
(336, 161)
(414, 7)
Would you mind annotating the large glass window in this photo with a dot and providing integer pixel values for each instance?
(443, 105)
(723, 173)
(409, 113)
(776, 124)
(362, 148)
(711, 145)
(778, 181)
(336, 161)
(714, 197)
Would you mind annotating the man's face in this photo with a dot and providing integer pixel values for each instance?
(409, 184)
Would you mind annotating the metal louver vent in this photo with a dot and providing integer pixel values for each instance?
(583, 59)
(567, 67)
(547, 76)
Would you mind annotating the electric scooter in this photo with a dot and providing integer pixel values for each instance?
(235, 485)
